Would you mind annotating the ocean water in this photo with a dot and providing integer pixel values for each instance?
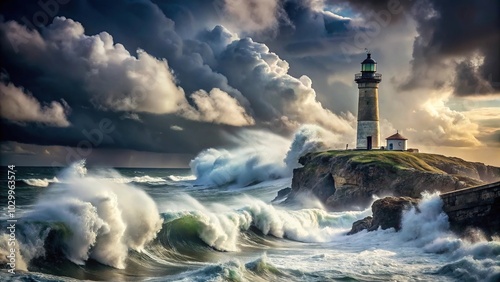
(166, 225)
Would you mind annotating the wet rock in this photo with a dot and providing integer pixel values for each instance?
(387, 212)
(282, 194)
(360, 225)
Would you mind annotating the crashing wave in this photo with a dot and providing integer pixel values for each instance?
(92, 218)
(262, 156)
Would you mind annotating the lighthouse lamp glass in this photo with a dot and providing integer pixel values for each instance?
(368, 67)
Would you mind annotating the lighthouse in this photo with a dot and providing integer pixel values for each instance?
(368, 133)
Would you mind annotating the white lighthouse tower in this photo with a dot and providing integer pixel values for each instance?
(368, 135)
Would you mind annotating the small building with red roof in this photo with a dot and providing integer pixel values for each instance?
(396, 142)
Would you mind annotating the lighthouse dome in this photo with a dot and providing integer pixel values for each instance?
(368, 60)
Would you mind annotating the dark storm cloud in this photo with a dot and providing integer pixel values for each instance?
(469, 81)
(136, 24)
(458, 29)
(448, 30)
(87, 132)
(306, 31)
(65, 60)
(373, 6)
(277, 74)
(310, 40)
(142, 24)
(142, 83)
(12, 148)
(491, 139)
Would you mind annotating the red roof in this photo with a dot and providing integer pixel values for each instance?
(396, 136)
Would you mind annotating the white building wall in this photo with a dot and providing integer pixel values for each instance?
(397, 145)
(365, 129)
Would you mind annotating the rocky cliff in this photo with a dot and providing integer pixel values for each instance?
(343, 180)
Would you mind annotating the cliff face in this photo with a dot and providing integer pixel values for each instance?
(344, 180)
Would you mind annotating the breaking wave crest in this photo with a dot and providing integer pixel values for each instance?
(44, 182)
(260, 270)
(91, 218)
(138, 179)
(178, 178)
(262, 156)
(88, 216)
(222, 228)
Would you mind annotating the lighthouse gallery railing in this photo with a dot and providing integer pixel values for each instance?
(374, 75)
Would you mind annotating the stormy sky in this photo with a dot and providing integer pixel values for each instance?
(154, 82)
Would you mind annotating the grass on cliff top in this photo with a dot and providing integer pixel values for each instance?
(395, 159)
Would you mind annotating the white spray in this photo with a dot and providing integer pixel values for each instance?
(261, 156)
(105, 219)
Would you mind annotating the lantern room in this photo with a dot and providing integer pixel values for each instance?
(369, 64)
(368, 71)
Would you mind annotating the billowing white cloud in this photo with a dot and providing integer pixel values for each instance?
(274, 94)
(20, 106)
(436, 124)
(218, 107)
(117, 81)
(455, 129)
(114, 79)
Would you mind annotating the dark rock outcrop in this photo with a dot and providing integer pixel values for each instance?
(346, 180)
(360, 225)
(387, 213)
(282, 194)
